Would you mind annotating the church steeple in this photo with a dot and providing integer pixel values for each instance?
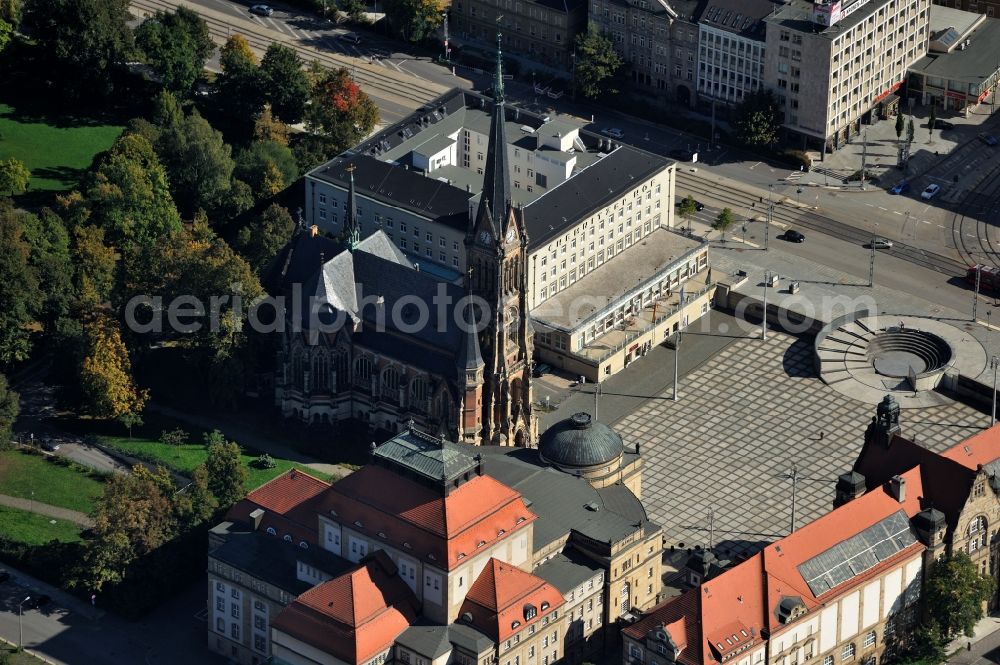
(351, 235)
(496, 176)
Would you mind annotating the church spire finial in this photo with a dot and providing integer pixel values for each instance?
(351, 235)
(498, 74)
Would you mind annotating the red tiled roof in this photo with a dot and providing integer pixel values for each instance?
(977, 450)
(946, 480)
(679, 616)
(498, 597)
(744, 598)
(354, 616)
(288, 501)
(442, 529)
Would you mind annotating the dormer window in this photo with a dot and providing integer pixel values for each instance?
(545, 605)
(381, 534)
(358, 523)
(480, 543)
(514, 624)
(287, 538)
(303, 544)
(530, 612)
(271, 531)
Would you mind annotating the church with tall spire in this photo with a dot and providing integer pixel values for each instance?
(355, 348)
(496, 254)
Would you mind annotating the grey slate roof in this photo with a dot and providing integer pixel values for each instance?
(588, 191)
(426, 455)
(973, 65)
(434, 641)
(619, 499)
(562, 502)
(740, 17)
(579, 441)
(567, 570)
(273, 560)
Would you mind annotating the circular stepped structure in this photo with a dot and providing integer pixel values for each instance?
(866, 356)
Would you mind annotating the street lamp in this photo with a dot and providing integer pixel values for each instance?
(677, 352)
(871, 260)
(994, 364)
(767, 283)
(975, 295)
(770, 211)
(20, 632)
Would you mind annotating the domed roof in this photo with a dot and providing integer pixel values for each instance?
(580, 441)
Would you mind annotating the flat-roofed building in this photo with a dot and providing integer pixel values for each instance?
(836, 65)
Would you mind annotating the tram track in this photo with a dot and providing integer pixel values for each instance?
(981, 250)
(390, 86)
(807, 219)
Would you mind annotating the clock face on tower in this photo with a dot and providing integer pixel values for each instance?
(485, 237)
(511, 235)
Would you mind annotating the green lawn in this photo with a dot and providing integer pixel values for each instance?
(35, 529)
(185, 458)
(67, 487)
(57, 154)
(15, 657)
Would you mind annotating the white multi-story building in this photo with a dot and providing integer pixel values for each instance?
(731, 49)
(837, 64)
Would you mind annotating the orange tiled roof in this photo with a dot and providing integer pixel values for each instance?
(679, 616)
(977, 450)
(499, 596)
(354, 616)
(733, 608)
(445, 530)
(288, 501)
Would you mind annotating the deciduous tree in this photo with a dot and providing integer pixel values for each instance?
(10, 406)
(269, 128)
(262, 239)
(340, 110)
(51, 262)
(133, 517)
(195, 503)
(106, 372)
(415, 20)
(954, 594)
(14, 176)
(128, 194)
(176, 45)
(597, 63)
(267, 166)
(757, 119)
(900, 125)
(80, 41)
(18, 287)
(723, 221)
(239, 82)
(687, 208)
(285, 85)
(94, 262)
(199, 162)
(227, 475)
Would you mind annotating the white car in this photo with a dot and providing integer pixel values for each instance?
(613, 132)
(931, 191)
(881, 243)
(261, 10)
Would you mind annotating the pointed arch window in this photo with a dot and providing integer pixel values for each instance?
(390, 384)
(363, 369)
(418, 394)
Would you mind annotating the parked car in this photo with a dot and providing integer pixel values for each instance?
(988, 139)
(541, 369)
(351, 37)
(262, 10)
(881, 243)
(50, 445)
(900, 187)
(613, 132)
(792, 235)
(943, 124)
(930, 192)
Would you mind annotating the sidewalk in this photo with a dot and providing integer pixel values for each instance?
(33, 506)
(971, 649)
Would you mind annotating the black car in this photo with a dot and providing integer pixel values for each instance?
(699, 206)
(541, 369)
(794, 236)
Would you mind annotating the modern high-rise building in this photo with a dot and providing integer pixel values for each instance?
(835, 65)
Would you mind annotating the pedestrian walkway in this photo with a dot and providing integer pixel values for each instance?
(973, 650)
(33, 506)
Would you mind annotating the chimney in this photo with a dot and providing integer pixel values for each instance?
(313, 231)
(255, 518)
(897, 488)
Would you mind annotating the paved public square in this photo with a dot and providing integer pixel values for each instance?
(744, 418)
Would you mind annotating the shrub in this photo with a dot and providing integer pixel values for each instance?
(176, 437)
(265, 461)
(798, 158)
(856, 176)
